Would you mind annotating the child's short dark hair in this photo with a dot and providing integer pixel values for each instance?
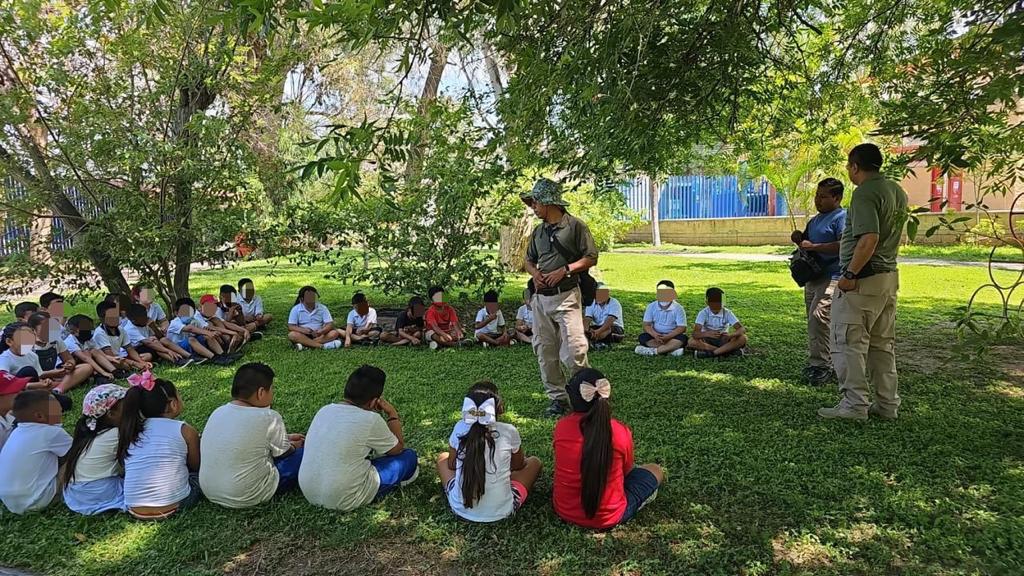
(714, 294)
(303, 291)
(243, 282)
(416, 300)
(183, 301)
(49, 298)
(366, 383)
(102, 307)
(25, 308)
(434, 290)
(490, 296)
(38, 319)
(250, 378)
(668, 283)
(227, 289)
(358, 298)
(137, 312)
(28, 401)
(76, 320)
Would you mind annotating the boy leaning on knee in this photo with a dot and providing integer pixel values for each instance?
(717, 332)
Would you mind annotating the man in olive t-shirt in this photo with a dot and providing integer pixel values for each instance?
(864, 309)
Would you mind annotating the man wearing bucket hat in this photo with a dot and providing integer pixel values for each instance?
(561, 249)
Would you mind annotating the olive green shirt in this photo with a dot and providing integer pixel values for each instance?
(572, 234)
(878, 206)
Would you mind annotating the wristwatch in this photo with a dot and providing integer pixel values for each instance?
(568, 270)
(849, 275)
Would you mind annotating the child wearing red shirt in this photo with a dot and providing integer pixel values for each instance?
(443, 328)
(599, 487)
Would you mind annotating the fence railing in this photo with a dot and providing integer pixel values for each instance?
(17, 235)
(698, 196)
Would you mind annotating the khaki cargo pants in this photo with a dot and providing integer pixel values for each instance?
(818, 301)
(863, 342)
(559, 338)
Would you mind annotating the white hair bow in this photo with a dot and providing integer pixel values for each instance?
(485, 413)
(602, 388)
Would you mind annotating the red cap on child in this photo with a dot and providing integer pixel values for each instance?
(11, 384)
(207, 298)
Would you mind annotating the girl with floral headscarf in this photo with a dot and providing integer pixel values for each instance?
(94, 481)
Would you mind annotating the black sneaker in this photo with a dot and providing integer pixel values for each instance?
(63, 399)
(200, 361)
(254, 336)
(703, 354)
(183, 362)
(222, 360)
(121, 374)
(555, 410)
(99, 380)
(234, 356)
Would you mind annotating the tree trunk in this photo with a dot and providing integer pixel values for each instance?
(655, 188)
(493, 70)
(514, 239)
(438, 61)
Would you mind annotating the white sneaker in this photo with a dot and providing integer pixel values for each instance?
(645, 351)
(299, 347)
(433, 345)
(332, 345)
(679, 352)
(512, 342)
(486, 345)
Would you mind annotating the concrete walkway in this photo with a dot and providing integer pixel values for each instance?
(785, 258)
(13, 572)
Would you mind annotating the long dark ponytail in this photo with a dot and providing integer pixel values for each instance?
(139, 404)
(474, 445)
(83, 438)
(596, 427)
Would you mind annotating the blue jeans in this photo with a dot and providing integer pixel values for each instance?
(288, 471)
(195, 493)
(640, 485)
(393, 470)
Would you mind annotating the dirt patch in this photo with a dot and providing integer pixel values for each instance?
(803, 554)
(389, 556)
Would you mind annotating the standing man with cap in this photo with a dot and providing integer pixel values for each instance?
(561, 247)
(864, 307)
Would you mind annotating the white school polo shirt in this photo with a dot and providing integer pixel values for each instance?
(317, 319)
(600, 313)
(665, 320)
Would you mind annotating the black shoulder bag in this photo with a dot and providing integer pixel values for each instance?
(804, 267)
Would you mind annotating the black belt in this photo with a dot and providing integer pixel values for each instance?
(563, 287)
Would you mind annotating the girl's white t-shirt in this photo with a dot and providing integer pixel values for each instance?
(497, 501)
(11, 362)
(99, 460)
(494, 327)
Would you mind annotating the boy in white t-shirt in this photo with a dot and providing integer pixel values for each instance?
(54, 359)
(664, 324)
(30, 458)
(142, 337)
(603, 319)
(355, 451)
(255, 457)
(524, 320)
(717, 332)
(252, 305)
(111, 341)
(190, 332)
(490, 323)
(79, 343)
(361, 324)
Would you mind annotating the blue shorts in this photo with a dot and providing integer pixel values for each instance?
(640, 487)
(394, 470)
(288, 471)
(188, 347)
(645, 339)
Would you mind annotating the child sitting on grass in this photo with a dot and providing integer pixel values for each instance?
(597, 485)
(230, 311)
(310, 324)
(144, 340)
(442, 321)
(19, 359)
(408, 326)
(524, 320)
(255, 457)
(159, 453)
(192, 337)
(717, 332)
(232, 337)
(93, 479)
(112, 342)
(361, 324)
(664, 324)
(158, 320)
(603, 319)
(30, 458)
(485, 474)
(336, 472)
(79, 343)
(252, 305)
(490, 323)
(55, 361)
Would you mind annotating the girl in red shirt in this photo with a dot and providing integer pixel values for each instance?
(597, 484)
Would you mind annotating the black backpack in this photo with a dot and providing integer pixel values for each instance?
(804, 267)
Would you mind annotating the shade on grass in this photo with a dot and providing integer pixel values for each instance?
(757, 483)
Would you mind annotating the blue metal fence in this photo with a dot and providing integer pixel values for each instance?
(16, 234)
(697, 196)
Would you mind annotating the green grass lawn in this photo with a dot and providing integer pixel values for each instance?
(757, 483)
(954, 253)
